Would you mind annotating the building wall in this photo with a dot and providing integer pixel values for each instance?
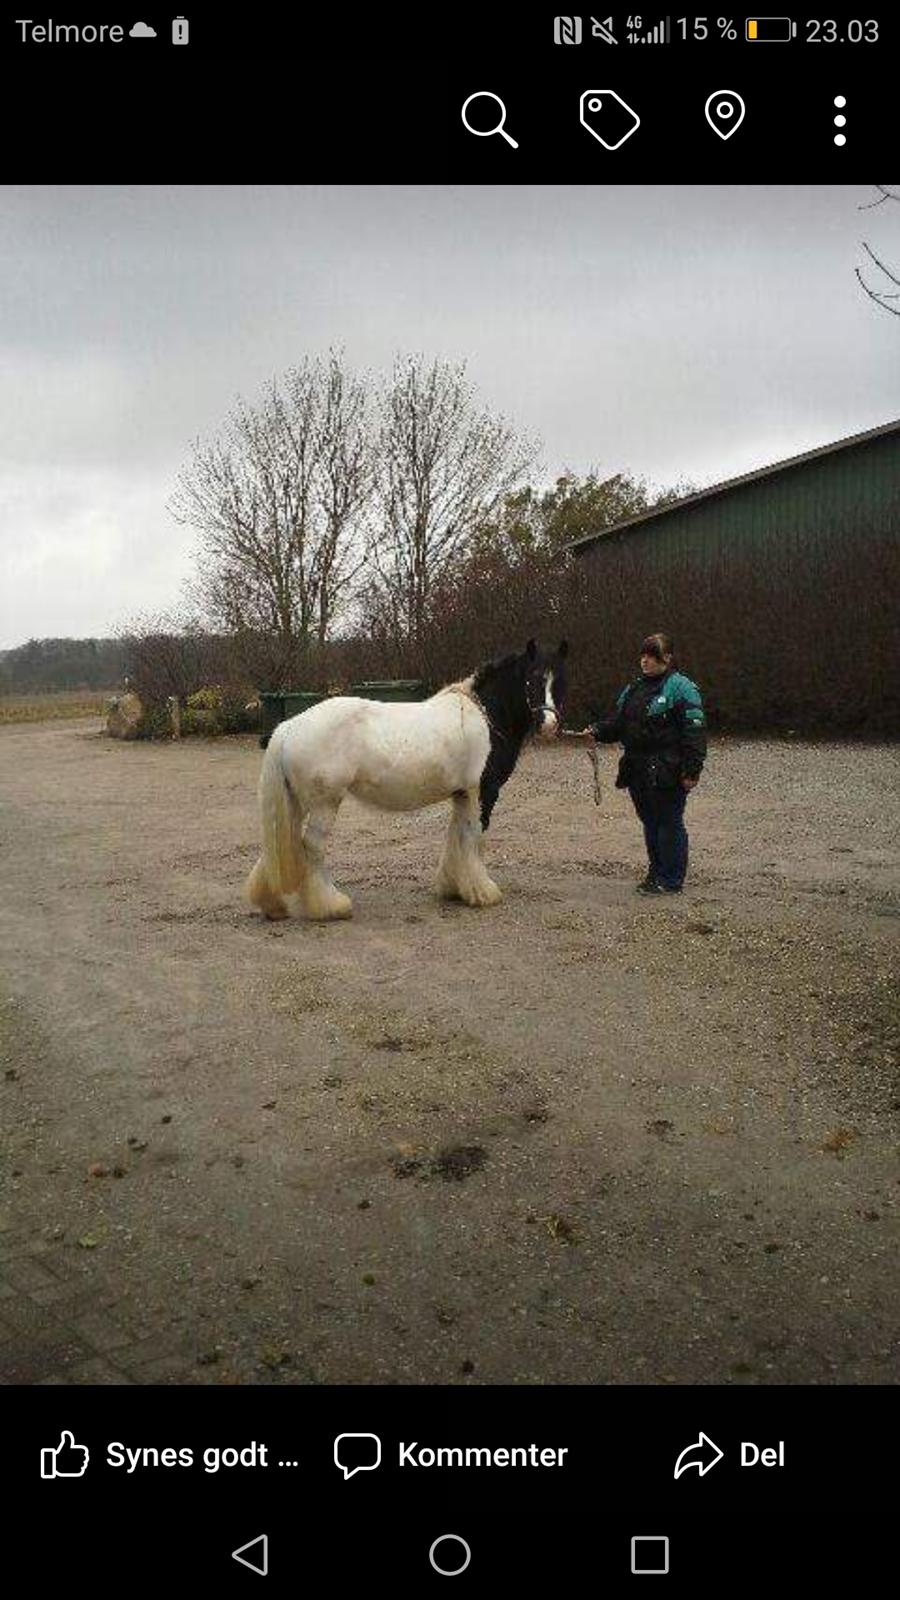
(783, 596)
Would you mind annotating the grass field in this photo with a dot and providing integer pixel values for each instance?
(52, 704)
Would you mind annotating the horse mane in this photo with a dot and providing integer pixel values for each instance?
(490, 669)
(499, 686)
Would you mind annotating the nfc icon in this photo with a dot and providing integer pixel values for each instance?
(566, 30)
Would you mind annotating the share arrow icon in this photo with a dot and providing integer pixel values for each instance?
(702, 1455)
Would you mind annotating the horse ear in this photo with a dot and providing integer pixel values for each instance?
(563, 650)
(531, 649)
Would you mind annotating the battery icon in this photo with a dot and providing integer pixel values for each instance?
(771, 30)
(180, 30)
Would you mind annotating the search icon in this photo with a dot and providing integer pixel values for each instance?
(485, 133)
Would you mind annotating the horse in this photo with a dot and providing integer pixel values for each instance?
(460, 745)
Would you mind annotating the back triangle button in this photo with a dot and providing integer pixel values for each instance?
(259, 1561)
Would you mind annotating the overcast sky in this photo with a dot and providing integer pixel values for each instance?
(671, 333)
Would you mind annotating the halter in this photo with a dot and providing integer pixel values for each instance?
(537, 711)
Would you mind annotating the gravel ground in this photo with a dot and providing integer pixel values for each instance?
(581, 1137)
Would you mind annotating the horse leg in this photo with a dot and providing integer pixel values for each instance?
(318, 896)
(489, 794)
(280, 869)
(261, 894)
(462, 874)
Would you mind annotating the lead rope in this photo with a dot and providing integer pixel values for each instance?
(593, 754)
(594, 759)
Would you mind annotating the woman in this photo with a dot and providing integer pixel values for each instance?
(659, 720)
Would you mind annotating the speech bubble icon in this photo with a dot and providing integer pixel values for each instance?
(357, 1452)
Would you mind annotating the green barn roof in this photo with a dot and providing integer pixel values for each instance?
(578, 545)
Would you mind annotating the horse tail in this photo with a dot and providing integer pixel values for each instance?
(280, 869)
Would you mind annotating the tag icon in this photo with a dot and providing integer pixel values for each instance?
(725, 112)
(608, 117)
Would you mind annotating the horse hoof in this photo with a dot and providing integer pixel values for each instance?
(337, 909)
(489, 895)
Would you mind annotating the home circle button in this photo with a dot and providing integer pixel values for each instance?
(450, 1555)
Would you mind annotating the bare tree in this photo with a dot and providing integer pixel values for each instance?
(344, 490)
(279, 502)
(444, 466)
(881, 296)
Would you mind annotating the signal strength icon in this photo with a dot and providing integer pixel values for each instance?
(661, 34)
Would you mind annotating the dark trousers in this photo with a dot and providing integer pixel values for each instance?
(662, 813)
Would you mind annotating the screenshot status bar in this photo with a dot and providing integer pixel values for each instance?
(639, 28)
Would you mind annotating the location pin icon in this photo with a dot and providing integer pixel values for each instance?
(724, 112)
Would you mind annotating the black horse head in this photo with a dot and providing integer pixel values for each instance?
(521, 694)
(524, 693)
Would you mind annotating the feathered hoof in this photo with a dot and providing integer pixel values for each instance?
(337, 908)
(486, 894)
(263, 897)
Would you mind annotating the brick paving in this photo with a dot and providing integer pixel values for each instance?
(54, 1330)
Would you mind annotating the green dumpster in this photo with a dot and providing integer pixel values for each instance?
(394, 689)
(279, 704)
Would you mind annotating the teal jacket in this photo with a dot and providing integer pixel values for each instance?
(662, 727)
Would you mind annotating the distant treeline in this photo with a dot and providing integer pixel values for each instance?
(774, 646)
(772, 650)
(43, 665)
(353, 528)
(796, 636)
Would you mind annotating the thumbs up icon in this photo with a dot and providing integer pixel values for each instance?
(66, 1460)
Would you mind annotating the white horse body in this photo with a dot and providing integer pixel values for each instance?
(399, 757)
